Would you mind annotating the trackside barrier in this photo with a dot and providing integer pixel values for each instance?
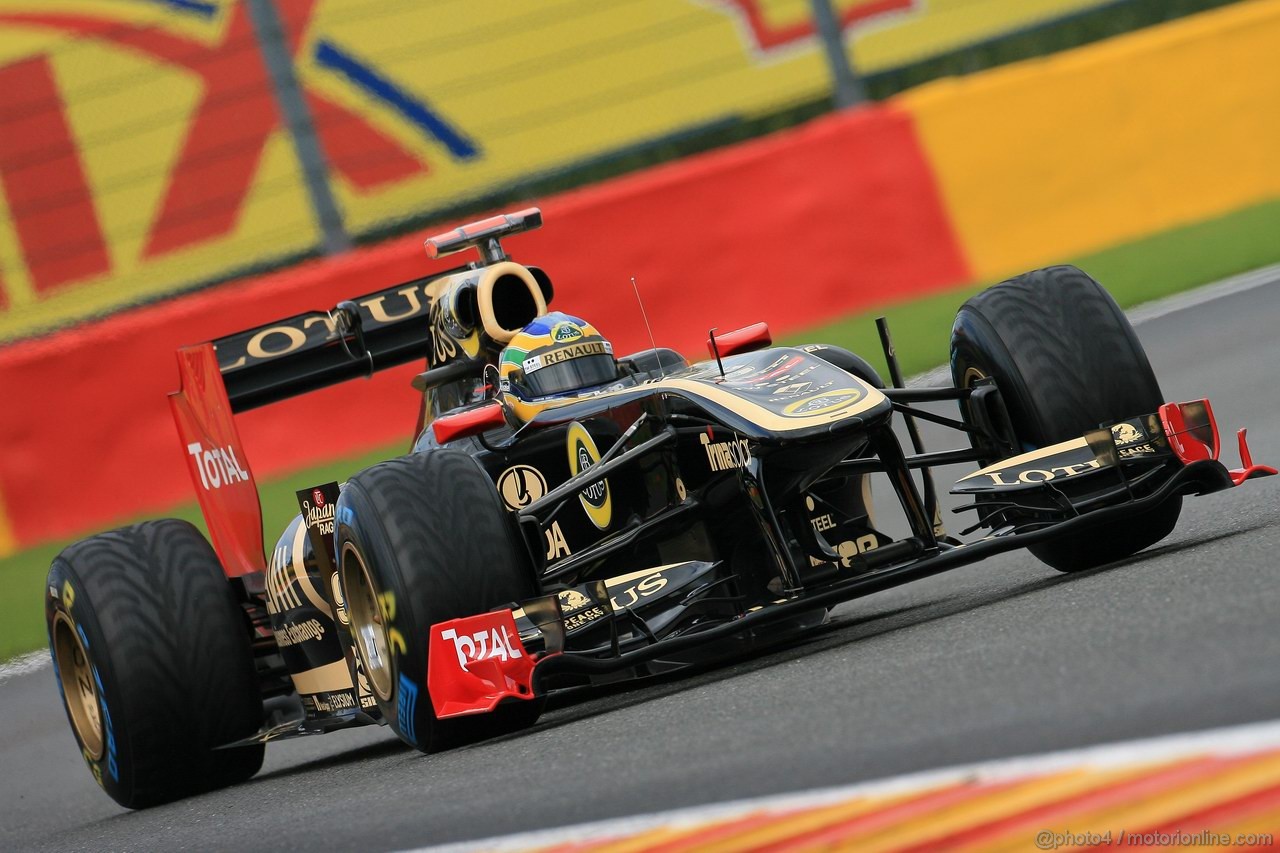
(958, 180)
(805, 225)
(1055, 157)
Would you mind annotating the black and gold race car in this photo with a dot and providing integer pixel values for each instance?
(672, 513)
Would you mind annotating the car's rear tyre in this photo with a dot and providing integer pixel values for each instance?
(152, 656)
(1066, 361)
(424, 539)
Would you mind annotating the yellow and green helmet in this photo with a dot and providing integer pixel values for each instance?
(555, 356)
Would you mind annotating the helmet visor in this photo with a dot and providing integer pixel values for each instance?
(571, 375)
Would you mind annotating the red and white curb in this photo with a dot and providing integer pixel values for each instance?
(676, 829)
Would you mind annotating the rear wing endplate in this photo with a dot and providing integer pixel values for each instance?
(216, 460)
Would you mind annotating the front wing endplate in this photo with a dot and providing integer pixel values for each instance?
(476, 662)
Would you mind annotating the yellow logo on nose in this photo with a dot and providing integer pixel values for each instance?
(583, 454)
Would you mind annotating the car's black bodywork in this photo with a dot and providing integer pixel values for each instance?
(683, 511)
(692, 507)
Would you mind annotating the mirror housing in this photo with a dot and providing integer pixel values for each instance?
(470, 422)
(747, 339)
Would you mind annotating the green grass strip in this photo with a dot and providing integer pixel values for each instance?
(22, 575)
(1134, 273)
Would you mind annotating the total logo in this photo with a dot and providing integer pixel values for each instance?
(218, 466)
(485, 644)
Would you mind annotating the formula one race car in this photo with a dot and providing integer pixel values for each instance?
(568, 517)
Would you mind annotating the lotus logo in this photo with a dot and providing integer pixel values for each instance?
(831, 401)
(565, 332)
(584, 454)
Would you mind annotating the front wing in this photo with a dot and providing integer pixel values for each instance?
(510, 655)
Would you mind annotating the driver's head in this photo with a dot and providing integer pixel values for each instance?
(553, 357)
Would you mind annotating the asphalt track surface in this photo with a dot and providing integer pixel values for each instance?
(1003, 658)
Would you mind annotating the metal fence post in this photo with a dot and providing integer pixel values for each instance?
(847, 89)
(302, 131)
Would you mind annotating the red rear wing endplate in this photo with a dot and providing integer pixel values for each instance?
(217, 462)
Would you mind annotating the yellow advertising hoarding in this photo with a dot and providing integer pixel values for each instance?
(141, 149)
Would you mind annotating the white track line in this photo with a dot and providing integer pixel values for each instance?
(1207, 293)
(938, 376)
(1233, 740)
(22, 664)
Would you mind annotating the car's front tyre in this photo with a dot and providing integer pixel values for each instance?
(420, 540)
(1066, 360)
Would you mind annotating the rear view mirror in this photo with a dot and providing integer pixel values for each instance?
(747, 339)
(469, 422)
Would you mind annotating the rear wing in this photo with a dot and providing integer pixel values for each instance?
(321, 348)
(271, 363)
(436, 318)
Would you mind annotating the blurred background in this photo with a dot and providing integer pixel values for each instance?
(176, 170)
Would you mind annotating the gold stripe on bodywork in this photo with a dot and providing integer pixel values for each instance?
(300, 572)
(644, 573)
(1017, 461)
(621, 579)
(759, 415)
(868, 398)
(323, 679)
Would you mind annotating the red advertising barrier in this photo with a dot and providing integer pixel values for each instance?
(794, 229)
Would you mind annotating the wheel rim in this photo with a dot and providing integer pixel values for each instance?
(368, 621)
(971, 377)
(78, 685)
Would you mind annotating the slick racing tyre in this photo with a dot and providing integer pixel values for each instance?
(1066, 361)
(424, 539)
(152, 656)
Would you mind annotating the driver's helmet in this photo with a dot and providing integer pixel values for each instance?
(554, 357)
